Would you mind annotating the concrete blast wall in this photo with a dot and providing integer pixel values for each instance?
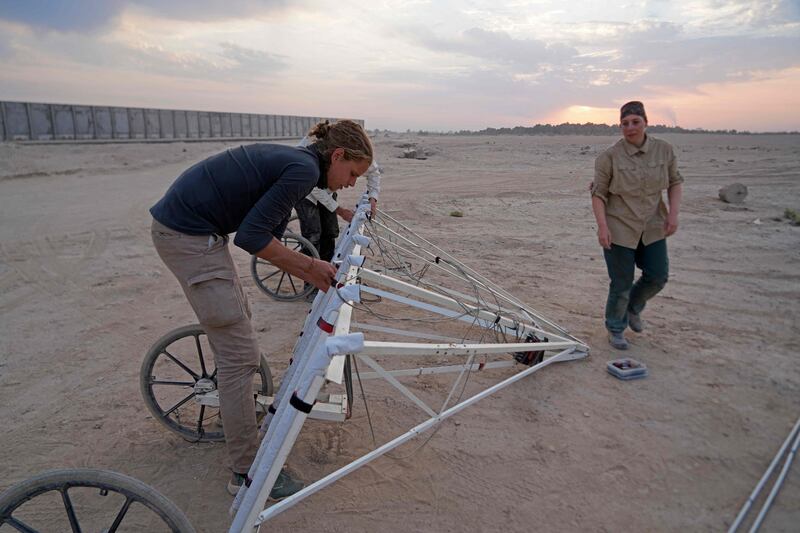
(27, 121)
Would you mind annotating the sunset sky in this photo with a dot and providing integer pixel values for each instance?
(436, 65)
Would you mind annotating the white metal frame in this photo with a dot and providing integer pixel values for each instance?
(326, 337)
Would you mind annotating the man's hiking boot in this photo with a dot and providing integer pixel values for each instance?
(284, 486)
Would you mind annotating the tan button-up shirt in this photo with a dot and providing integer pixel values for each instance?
(630, 182)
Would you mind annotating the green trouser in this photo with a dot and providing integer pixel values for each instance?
(625, 296)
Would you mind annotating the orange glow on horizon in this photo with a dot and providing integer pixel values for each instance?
(768, 104)
(581, 114)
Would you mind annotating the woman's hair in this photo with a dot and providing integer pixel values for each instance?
(345, 134)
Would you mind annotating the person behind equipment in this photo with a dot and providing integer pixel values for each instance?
(249, 190)
(317, 211)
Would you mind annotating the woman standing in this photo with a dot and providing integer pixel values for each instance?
(249, 190)
(632, 219)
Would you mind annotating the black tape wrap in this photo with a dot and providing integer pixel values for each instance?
(299, 404)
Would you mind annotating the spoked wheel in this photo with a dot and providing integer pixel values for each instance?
(178, 375)
(88, 500)
(277, 283)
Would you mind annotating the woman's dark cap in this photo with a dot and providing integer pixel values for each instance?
(632, 108)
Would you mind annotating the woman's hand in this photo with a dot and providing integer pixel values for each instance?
(670, 224)
(320, 274)
(604, 237)
(373, 206)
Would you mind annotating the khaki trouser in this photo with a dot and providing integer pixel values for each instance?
(208, 277)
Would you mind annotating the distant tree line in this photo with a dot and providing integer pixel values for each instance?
(588, 128)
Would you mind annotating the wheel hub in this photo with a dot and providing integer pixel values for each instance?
(204, 386)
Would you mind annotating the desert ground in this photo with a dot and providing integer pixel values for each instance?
(83, 296)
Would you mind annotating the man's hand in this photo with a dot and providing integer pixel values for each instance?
(373, 203)
(346, 214)
(604, 237)
(670, 225)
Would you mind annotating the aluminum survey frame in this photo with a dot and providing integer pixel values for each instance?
(326, 338)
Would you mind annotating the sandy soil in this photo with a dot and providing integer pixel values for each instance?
(83, 296)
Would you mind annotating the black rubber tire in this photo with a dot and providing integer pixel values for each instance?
(173, 423)
(62, 480)
(278, 284)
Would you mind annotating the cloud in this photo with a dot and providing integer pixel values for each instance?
(742, 14)
(438, 65)
(502, 77)
(475, 98)
(711, 59)
(496, 47)
(248, 60)
(231, 62)
(225, 61)
(6, 50)
(62, 15)
(228, 62)
(96, 15)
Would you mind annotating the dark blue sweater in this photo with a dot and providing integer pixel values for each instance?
(249, 190)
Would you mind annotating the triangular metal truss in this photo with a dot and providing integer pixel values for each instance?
(393, 287)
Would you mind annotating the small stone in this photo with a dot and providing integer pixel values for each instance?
(552, 448)
(587, 415)
(757, 222)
